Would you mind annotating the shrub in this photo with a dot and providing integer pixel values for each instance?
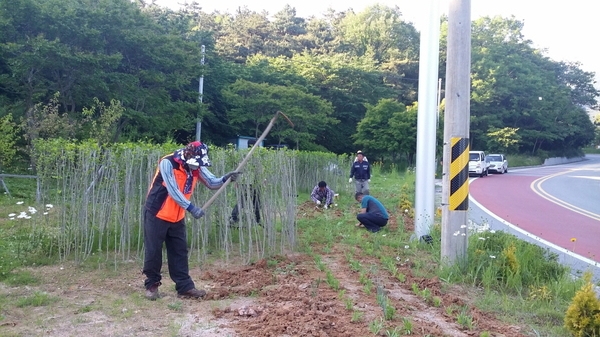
(583, 315)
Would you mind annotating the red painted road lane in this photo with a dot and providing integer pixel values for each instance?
(510, 197)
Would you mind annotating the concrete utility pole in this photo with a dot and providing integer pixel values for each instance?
(455, 184)
(200, 93)
(426, 121)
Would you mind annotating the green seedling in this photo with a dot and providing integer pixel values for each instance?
(357, 316)
(407, 326)
(376, 326)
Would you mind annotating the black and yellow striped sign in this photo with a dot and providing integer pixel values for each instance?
(459, 174)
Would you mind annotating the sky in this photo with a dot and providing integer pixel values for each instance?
(566, 30)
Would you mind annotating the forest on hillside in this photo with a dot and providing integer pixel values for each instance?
(118, 71)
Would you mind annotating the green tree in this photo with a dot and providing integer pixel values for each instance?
(515, 86)
(244, 34)
(347, 82)
(388, 129)
(403, 134)
(505, 140)
(581, 83)
(45, 121)
(288, 29)
(380, 31)
(253, 105)
(8, 141)
(102, 120)
(320, 36)
(106, 49)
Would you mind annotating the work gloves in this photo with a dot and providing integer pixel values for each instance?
(233, 175)
(326, 207)
(197, 212)
(318, 202)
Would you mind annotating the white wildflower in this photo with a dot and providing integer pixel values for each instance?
(480, 238)
(32, 210)
(27, 217)
(12, 215)
(492, 256)
(20, 202)
(480, 228)
(384, 235)
(45, 213)
(406, 211)
(21, 215)
(492, 231)
(406, 247)
(397, 258)
(49, 205)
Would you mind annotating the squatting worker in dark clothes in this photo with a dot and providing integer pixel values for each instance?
(245, 193)
(372, 214)
(164, 216)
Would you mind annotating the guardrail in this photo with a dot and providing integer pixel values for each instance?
(38, 193)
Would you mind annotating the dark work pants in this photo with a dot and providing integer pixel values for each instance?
(157, 231)
(372, 221)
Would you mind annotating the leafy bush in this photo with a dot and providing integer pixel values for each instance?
(583, 315)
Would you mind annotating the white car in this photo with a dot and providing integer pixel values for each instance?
(498, 163)
(478, 165)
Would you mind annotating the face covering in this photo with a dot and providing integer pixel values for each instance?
(193, 163)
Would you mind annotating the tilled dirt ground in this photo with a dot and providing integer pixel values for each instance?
(289, 299)
(283, 296)
(294, 303)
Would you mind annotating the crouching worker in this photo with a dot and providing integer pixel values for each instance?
(322, 195)
(245, 192)
(164, 216)
(372, 214)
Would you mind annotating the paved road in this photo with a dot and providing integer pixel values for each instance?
(557, 207)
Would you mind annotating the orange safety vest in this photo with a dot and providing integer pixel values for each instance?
(158, 200)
